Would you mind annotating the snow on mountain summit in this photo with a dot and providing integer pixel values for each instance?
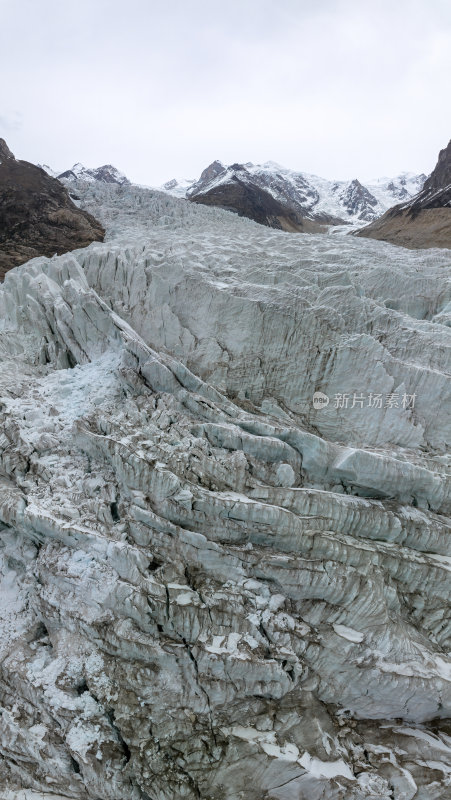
(105, 174)
(299, 194)
(351, 201)
(178, 188)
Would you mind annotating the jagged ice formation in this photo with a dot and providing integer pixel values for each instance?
(211, 589)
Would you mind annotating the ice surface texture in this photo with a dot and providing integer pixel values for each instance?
(209, 588)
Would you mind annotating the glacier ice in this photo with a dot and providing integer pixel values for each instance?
(209, 588)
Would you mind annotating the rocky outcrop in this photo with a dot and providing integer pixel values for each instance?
(209, 174)
(186, 187)
(204, 577)
(357, 200)
(425, 221)
(37, 216)
(5, 152)
(437, 188)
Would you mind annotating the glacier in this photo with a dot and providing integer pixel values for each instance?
(211, 588)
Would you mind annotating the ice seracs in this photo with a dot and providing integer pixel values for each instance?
(204, 577)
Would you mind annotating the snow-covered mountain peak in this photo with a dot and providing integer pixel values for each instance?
(209, 175)
(52, 172)
(178, 188)
(353, 201)
(273, 165)
(105, 174)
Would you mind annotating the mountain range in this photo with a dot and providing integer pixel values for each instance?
(274, 195)
(294, 197)
(407, 209)
(105, 174)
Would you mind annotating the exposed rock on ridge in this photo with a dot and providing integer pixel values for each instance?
(357, 200)
(37, 216)
(437, 188)
(105, 174)
(425, 221)
(5, 152)
(211, 172)
(302, 195)
(239, 192)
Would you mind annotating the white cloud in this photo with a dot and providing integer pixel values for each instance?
(10, 121)
(343, 88)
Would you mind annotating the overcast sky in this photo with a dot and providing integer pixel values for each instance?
(340, 88)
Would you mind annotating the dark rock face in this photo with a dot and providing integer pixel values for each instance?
(438, 181)
(209, 173)
(267, 199)
(37, 216)
(358, 200)
(5, 152)
(425, 221)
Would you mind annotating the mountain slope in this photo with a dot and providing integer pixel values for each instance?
(239, 192)
(425, 221)
(37, 216)
(305, 196)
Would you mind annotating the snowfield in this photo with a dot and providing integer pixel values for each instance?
(209, 587)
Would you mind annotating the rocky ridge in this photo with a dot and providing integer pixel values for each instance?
(105, 174)
(303, 196)
(242, 192)
(424, 221)
(204, 577)
(37, 216)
